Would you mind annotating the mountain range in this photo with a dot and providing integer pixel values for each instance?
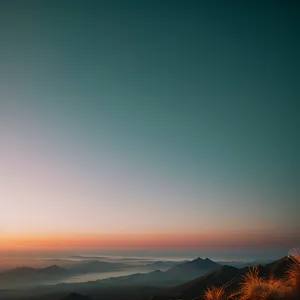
(173, 272)
(224, 276)
(177, 274)
(21, 276)
(24, 275)
(185, 281)
(192, 269)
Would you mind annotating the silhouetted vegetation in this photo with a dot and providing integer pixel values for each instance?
(253, 286)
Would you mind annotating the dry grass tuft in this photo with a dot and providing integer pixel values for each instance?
(254, 287)
(215, 293)
(293, 274)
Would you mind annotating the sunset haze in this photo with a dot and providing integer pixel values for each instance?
(146, 125)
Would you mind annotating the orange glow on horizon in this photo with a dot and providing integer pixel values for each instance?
(139, 241)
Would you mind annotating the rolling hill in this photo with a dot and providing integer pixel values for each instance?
(25, 275)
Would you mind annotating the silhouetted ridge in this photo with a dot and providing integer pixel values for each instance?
(52, 270)
(75, 296)
(196, 264)
(278, 268)
(192, 269)
(20, 271)
(219, 277)
(228, 276)
(26, 275)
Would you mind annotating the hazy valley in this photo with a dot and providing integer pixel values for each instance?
(98, 279)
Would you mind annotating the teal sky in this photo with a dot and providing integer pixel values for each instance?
(150, 116)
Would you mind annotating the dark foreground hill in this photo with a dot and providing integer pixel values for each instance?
(228, 276)
(76, 296)
(220, 277)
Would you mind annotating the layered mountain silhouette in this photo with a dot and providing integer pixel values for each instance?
(31, 276)
(228, 276)
(170, 284)
(95, 266)
(243, 264)
(220, 277)
(23, 275)
(162, 265)
(27, 271)
(177, 274)
(185, 281)
(193, 269)
(151, 279)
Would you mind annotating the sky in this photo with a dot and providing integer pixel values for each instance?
(149, 125)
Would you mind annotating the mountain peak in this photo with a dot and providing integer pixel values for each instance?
(54, 269)
(203, 259)
(198, 259)
(207, 259)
